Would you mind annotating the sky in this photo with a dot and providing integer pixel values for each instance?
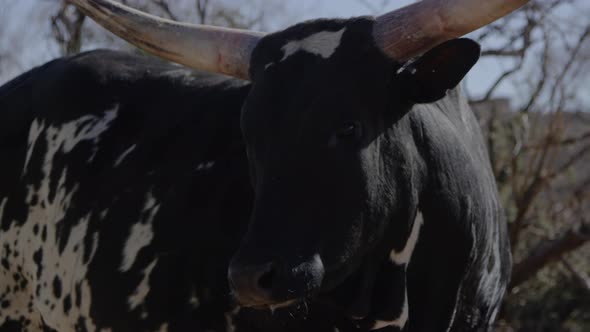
(32, 50)
(485, 72)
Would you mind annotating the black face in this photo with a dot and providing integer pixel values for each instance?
(321, 110)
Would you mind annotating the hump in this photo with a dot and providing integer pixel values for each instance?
(92, 78)
(110, 65)
(154, 96)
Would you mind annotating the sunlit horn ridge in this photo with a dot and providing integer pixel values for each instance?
(414, 29)
(214, 49)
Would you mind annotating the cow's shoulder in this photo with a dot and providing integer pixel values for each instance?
(119, 167)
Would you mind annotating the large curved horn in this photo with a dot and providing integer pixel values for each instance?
(213, 49)
(412, 30)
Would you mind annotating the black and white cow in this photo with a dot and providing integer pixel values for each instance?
(353, 191)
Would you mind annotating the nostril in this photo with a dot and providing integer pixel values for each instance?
(265, 282)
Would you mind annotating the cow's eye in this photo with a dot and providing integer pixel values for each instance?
(349, 130)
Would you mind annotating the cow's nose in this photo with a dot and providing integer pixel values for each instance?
(252, 284)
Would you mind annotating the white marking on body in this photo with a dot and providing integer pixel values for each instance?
(405, 255)
(143, 289)
(34, 132)
(286, 304)
(403, 258)
(68, 267)
(490, 285)
(183, 74)
(71, 269)
(88, 127)
(194, 300)
(322, 43)
(123, 155)
(37, 238)
(103, 214)
(163, 328)
(141, 234)
(205, 166)
(399, 322)
(2, 203)
(229, 319)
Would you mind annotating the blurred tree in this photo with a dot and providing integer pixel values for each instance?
(70, 32)
(540, 151)
(67, 32)
(67, 28)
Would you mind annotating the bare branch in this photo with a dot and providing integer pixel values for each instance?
(202, 10)
(165, 7)
(563, 142)
(548, 252)
(581, 278)
(67, 28)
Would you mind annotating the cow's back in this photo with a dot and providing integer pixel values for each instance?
(120, 172)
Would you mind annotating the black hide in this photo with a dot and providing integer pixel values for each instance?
(354, 188)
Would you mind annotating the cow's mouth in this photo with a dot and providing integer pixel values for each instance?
(335, 277)
(272, 306)
(275, 284)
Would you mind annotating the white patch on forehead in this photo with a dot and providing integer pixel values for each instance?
(123, 155)
(141, 234)
(163, 328)
(322, 43)
(399, 322)
(139, 295)
(405, 255)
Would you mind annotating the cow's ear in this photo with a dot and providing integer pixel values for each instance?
(428, 78)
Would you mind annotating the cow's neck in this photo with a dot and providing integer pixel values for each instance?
(377, 292)
(376, 295)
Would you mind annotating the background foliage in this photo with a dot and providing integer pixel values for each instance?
(538, 136)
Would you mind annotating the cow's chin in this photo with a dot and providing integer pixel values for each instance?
(330, 280)
(335, 277)
(337, 274)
